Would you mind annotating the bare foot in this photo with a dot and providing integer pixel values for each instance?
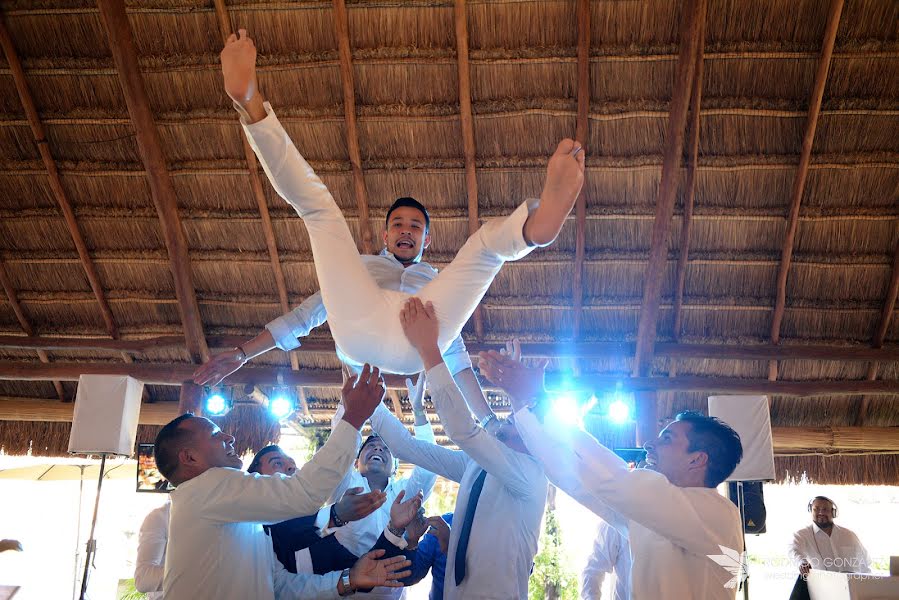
(239, 71)
(564, 179)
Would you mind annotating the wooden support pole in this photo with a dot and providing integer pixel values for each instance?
(40, 139)
(341, 23)
(121, 44)
(466, 121)
(694, 14)
(190, 399)
(808, 140)
(581, 135)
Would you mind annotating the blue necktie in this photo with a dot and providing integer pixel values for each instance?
(470, 509)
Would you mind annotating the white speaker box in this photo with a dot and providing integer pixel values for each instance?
(750, 417)
(107, 408)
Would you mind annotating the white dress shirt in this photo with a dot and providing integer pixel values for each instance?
(217, 548)
(359, 536)
(611, 554)
(840, 551)
(506, 525)
(151, 542)
(671, 530)
(389, 274)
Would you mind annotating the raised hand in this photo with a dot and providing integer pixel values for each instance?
(523, 384)
(362, 395)
(416, 393)
(420, 324)
(441, 530)
(220, 366)
(14, 545)
(369, 572)
(402, 513)
(416, 529)
(355, 505)
(564, 180)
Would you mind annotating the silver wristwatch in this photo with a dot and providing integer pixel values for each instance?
(345, 583)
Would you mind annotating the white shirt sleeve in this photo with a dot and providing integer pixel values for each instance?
(602, 560)
(862, 557)
(442, 461)
(796, 550)
(457, 357)
(236, 496)
(151, 544)
(421, 478)
(631, 494)
(514, 469)
(303, 586)
(287, 329)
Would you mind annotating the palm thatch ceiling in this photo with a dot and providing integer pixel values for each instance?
(785, 217)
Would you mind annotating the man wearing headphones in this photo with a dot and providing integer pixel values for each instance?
(827, 546)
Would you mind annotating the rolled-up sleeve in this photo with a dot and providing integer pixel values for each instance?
(287, 329)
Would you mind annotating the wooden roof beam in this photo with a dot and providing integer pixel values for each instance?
(121, 44)
(581, 133)
(6, 282)
(224, 19)
(889, 307)
(466, 121)
(694, 14)
(342, 27)
(808, 140)
(530, 349)
(179, 373)
(40, 139)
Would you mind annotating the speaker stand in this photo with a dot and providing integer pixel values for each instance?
(91, 549)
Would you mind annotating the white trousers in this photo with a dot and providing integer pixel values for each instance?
(363, 317)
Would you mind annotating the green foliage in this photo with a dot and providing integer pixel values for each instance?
(127, 591)
(552, 565)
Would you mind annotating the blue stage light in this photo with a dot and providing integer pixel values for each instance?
(619, 412)
(216, 405)
(281, 407)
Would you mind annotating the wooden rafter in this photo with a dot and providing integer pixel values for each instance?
(466, 121)
(341, 24)
(693, 14)
(889, 306)
(687, 219)
(830, 36)
(178, 373)
(268, 230)
(121, 44)
(40, 140)
(25, 324)
(842, 353)
(583, 115)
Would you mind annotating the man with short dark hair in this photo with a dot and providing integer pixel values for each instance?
(670, 513)
(827, 546)
(216, 547)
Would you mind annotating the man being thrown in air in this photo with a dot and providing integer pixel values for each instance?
(362, 315)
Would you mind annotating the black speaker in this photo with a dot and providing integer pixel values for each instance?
(754, 511)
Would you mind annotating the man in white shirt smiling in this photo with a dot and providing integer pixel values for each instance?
(827, 546)
(217, 548)
(671, 548)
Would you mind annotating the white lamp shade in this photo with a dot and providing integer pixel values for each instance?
(750, 417)
(107, 408)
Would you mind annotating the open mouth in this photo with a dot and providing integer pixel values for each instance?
(405, 244)
(376, 458)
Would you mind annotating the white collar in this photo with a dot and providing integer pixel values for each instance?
(389, 255)
(816, 529)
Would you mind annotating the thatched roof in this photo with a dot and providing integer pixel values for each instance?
(759, 69)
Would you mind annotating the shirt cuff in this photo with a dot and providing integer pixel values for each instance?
(439, 376)
(269, 119)
(394, 539)
(457, 361)
(284, 337)
(322, 518)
